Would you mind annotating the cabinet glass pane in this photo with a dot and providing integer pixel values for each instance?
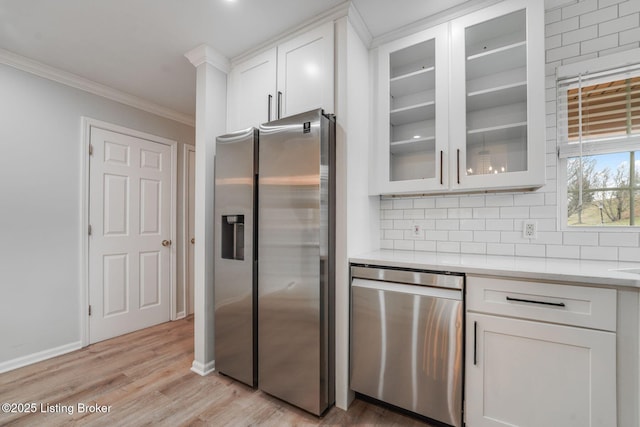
(412, 112)
(496, 95)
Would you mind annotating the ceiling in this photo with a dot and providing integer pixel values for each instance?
(138, 46)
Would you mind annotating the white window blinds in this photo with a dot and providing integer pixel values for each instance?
(599, 113)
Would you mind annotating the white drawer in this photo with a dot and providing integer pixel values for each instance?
(567, 304)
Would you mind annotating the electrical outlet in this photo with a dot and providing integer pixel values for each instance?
(530, 230)
(417, 232)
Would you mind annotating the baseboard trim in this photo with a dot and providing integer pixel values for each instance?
(203, 369)
(30, 359)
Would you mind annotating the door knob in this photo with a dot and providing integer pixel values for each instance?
(193, 240)
(166, 243)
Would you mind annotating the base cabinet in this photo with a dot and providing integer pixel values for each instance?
(527, 373)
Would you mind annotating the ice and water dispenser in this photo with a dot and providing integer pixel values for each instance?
(232, 235)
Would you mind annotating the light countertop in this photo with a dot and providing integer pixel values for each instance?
(608, 273)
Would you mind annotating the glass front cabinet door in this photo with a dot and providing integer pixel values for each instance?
(412, 130)
(497, 120)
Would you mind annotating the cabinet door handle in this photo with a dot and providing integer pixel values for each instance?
(279, 104)
(475, 343)
(458, 165)
(529, 301)
(441, 163)
(269, 98)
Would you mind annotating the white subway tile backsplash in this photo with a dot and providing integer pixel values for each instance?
(500, 249)
(598, 253)
(459, 213)
(406, 245)
(393, 234)
(429, 246)
(452, 247)
(499, 200)
(492, 223)
(435, 213)
(447, 224)
(473, 248)
(629, 254)
(563, 52)
(426, 203)
(549, 238)
(630, 36)
(499, 225)
(620, 24)
(486, 236)
(413, 214)
(461, 236)
(601, 43)
(600, 15)
(554, 251)
(579, 8)
(447, 202)
(386, 204)
(619, 239)
(403, 204)
(472, 224)
(515, 212)
(472, 202)
(531, 250)
(562, 26)
(486, 212)
(629, 6)
(580, 238)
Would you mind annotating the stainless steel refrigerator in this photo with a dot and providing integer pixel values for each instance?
(274, 258)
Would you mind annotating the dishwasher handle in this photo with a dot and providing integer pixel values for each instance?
(427, 291)
(422, 278)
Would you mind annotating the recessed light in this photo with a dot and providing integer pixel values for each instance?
(416, 136)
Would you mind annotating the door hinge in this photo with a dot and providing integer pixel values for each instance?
(89, 229)
(90, 149)
(89, 310)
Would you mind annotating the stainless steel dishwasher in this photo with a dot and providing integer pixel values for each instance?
(406, 340)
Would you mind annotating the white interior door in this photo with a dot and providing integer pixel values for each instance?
(129, 245)
(190, 218)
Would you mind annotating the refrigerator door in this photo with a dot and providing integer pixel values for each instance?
(235, 256)
(295, 287)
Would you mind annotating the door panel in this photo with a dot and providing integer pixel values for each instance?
(130, 216)
(190, 229)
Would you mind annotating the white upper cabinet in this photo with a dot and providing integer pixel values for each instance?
(497, 97)
(460, 106)
(252, 91)
(413, 75)
(294, 77)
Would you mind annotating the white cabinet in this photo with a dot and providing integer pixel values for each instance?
(475, 126)
(294, 77)
(413, 76)
(497, 98)
(536, 367)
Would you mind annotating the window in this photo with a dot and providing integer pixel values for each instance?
(599, 147)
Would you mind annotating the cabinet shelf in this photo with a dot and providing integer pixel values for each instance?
(416, 81)
(496, 96)
(413, 113)
(495, 60)
(413, 145)
(507, 132)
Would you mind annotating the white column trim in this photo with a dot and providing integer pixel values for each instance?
(204, 53)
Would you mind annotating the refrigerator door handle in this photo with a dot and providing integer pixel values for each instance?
(279, 105)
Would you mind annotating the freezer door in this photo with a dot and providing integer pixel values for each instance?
(294, 284)
(235, 256)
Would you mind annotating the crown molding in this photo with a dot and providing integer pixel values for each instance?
(359, 25)
(73, 80)
(332, 14)
(205, 53)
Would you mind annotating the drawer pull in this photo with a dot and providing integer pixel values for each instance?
(555, 304)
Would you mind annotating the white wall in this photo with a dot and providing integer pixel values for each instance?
(40, 206)
(492, 223)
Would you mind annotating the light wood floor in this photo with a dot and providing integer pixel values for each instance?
(145, 378)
